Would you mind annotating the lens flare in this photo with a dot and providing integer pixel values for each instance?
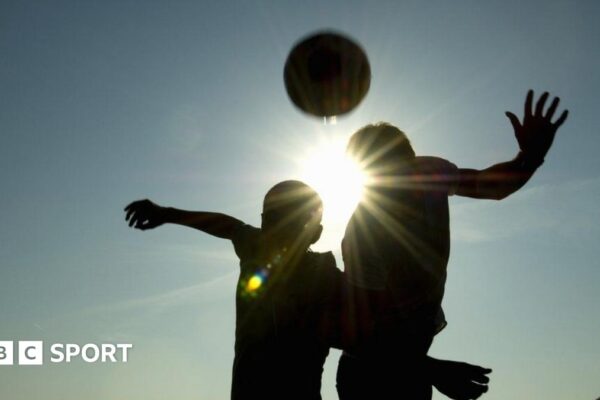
(255, 282)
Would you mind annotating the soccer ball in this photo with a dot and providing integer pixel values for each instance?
(327, 74)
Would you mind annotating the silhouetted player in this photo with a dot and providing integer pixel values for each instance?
(397, 244)
(288, 298)
(283, 292)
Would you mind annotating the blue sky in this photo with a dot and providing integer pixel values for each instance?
(102, 103)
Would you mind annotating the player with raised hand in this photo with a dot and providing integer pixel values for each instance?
(397, 245)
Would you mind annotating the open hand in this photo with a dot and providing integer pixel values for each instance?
(144, 214)
(459, 380)
(536, 133)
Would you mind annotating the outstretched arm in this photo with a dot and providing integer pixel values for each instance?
(144, 214)
(534, 135)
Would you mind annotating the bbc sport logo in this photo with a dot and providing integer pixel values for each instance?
(31, 352)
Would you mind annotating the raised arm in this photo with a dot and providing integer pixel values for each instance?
(144, 214)
(534, 135)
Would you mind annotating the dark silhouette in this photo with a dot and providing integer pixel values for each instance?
(396, 250)
(288, 298)
(283, 294)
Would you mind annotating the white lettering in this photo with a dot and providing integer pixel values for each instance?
(56, 350)
(84, 353)
(124, 347)
(72, 351)
(108, 351)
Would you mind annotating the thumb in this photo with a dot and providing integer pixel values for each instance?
(514, 121)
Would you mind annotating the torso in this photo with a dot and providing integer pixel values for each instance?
(277, 325)
(398, 239)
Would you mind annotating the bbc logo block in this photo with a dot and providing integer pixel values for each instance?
(6, 353)
(30, 352)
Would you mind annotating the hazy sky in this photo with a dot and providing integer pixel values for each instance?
(183, 102)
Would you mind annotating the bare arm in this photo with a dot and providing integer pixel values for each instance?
(497, 181)
(534, 135)
(144, 214)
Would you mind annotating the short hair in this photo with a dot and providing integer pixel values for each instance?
(380, 143)
(292, 204)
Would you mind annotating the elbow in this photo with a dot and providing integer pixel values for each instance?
(500, 192)
(492, 195)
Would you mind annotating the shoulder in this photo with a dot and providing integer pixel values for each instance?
(326, 279)
(245, 232)
(324, 260)
(440, 173)
(325, 266)
(435, 165)
(321, 261)
(245, 239)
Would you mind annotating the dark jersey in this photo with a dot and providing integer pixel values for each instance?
(284, 321)
(398, 239)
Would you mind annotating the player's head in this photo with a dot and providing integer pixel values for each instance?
(292, 213)
(380, 148)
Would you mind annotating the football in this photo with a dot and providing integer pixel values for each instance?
(327, 74)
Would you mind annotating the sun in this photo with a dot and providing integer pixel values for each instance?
(335, 176)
